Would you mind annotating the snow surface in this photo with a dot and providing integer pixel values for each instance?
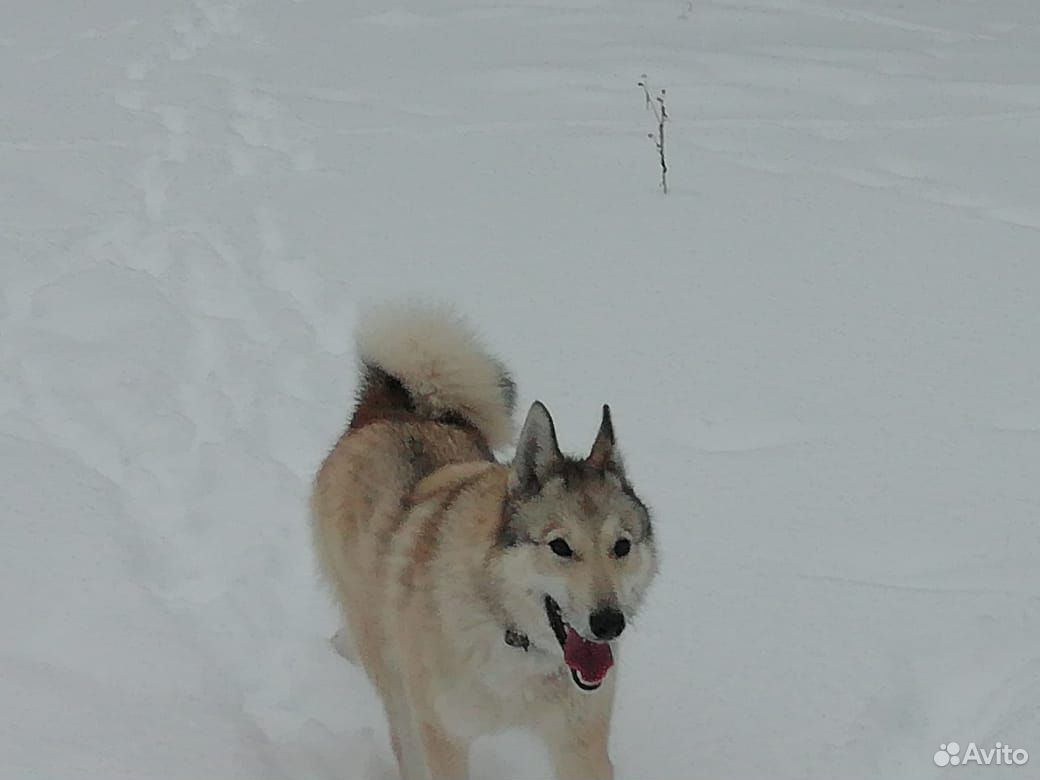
(821, 350)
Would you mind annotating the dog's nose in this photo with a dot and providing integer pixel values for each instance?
(607, 623)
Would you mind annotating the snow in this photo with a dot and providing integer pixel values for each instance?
(820, 349)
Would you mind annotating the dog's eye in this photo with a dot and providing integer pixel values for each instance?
(561, 548)
(622, 548)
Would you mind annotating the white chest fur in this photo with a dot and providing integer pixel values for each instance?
(502, 687)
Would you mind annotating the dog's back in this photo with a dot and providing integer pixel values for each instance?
(430, 397)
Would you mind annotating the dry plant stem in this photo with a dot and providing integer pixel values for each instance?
(656, 104)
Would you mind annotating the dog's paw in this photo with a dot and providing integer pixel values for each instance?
(343, 643)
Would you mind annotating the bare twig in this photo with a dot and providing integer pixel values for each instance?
(655, 102)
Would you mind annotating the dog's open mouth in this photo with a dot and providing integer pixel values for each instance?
(588, 661)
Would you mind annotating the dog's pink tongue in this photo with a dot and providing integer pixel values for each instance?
(592, 660)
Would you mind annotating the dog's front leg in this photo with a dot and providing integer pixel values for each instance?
(447, 756)
(404, 738)
(579, 749)
(581, 760)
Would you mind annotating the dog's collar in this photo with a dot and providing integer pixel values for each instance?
(517, 639)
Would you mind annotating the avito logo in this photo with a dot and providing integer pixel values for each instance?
(949, 754)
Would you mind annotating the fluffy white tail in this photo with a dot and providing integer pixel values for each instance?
(440, 361)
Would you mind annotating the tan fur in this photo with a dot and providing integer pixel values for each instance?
(408, 513)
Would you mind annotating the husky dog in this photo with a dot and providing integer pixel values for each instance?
(478, 596)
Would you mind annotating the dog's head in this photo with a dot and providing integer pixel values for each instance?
(576, 551)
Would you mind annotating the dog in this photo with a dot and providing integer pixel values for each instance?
(477, 595)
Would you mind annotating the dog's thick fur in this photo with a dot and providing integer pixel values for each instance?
(478, 596)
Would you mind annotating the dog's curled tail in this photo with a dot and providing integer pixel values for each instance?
(424, 360)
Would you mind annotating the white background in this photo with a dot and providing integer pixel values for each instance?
(821, 350)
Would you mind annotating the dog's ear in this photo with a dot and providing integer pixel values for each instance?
(604, 455)
(537, 452)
